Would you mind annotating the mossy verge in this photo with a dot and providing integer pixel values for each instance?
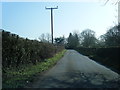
(18, 79)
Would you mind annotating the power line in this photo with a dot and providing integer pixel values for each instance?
(51, 20)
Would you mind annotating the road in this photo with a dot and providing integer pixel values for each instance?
(75, 70)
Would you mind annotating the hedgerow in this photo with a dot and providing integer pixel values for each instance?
(108, 56)
(18, 51)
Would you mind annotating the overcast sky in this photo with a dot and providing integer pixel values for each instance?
(31, 19)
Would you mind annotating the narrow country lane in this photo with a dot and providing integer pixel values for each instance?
(77, 71)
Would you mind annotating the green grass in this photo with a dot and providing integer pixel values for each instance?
(17, 79)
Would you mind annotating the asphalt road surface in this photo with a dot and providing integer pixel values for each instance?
(77, 71)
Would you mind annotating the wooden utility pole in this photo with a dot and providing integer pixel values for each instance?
(51, 20)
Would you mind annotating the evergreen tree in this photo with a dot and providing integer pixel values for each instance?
(73, 41)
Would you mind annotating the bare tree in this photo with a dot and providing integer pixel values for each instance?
(88, 38)
(112, 37)
(115, 2)
(42, 37)
(45, 37)
(48, 37)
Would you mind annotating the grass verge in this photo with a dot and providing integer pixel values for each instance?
(18, 79)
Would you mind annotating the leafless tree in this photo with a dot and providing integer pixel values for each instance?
(45, 37)
(115, 2)
(48, 37)
(88, 38)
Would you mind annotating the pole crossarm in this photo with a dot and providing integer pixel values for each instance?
(51, 7)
